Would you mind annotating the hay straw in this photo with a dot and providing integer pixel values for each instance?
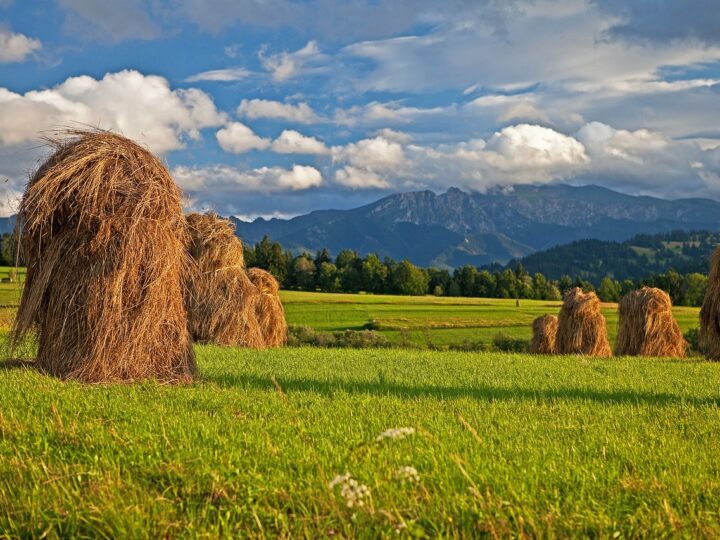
(710, 312)
(647, 326)
(221, 300)
(581, 325)
(270, 312)
(104, 240)
(544, 333)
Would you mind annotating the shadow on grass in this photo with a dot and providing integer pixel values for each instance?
(479, 392)
(16, 363)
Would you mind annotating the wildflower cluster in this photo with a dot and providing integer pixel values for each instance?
(407, 474)
(395, 433)
(353, 492)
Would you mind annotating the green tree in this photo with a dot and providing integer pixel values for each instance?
(303, 273)
(409, 279)
(609, 290)
(373, 274)
(327, 277)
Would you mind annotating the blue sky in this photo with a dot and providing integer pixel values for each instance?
(281, 107)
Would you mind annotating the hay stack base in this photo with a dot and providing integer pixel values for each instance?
(222, 302)
(581, 325)
(710, 312)
(104, 241)
(270, 312)
(647, 326)
(544, 334)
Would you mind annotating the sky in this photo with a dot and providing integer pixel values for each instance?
(279, 107)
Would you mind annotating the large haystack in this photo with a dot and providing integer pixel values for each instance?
(221, 300)
(105, 244)
(581, 325)
(647, 326)
(710, 312)
(270, 312)
(544, 334)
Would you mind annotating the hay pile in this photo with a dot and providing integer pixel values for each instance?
(647, 326)
(544, 333)
(581, 325)
(224, 306)
(710, 312)
(270, 312)
(104, 241)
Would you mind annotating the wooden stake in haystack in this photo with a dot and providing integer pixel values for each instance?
(269, 311)
(104, 240)
(647, 326)
(544, 334)
(710, 312)
(224, 306)
(581, 325)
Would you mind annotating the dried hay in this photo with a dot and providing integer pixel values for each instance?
(647, 326)
(544, 333)
(270, 312)
(221, 300)
(710, 312)
(581, 325)
(104, 240)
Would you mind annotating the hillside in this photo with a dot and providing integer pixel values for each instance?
(457, 227)
(635, 258)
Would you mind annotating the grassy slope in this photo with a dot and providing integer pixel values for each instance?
(442, 320)
(503, 444)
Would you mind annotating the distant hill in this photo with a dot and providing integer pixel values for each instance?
(7, 224)
(635, 258)
(457, 227)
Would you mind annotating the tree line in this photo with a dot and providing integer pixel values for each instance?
(349, 272)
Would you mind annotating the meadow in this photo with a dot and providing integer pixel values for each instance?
(311, 442)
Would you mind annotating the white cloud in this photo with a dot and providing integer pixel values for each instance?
(225, 178)
(376, 113)
(523, 110)
(108, 20)
(376, 154)
(393, 135)
(142, 107)
(292, 142)
(288, 65)
(301, 113)
(355, 178)
(16, 47)
(238, 138)
(220, 75)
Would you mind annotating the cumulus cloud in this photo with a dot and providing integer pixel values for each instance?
(288, 65)
(225, 178)
(375, 113)
(142, 107)
(220, 75)
(355, 178)
(238, 138)
(15, 47)
(293, 142)
(300, 113)
(377, 154)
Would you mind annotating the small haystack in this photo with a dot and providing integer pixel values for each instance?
(221, 300)
(647, 326)
(581, 325)
(544, 333)
(270, 312)
(104, 240)
(710, 312)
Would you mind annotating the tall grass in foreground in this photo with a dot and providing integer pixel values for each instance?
(430, 443)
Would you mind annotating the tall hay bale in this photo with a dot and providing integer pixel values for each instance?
(544, 334)
(104, 241)
(647, 326)
(270, 312)
(581, 325)
(221, 300)
(710, 312)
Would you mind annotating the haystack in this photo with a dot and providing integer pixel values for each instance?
(544, 333)
(581, 325)
(221, 300)
(647, 326)
(270, 312)
(710, 312)
(104, 240)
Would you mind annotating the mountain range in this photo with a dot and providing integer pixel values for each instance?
(455, 228)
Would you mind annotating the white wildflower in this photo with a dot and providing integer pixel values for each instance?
(354, 493)
(407, 474)
(395, 433)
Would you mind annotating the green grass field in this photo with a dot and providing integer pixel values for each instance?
(503, 445)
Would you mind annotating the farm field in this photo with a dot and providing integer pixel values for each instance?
(501, 445)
